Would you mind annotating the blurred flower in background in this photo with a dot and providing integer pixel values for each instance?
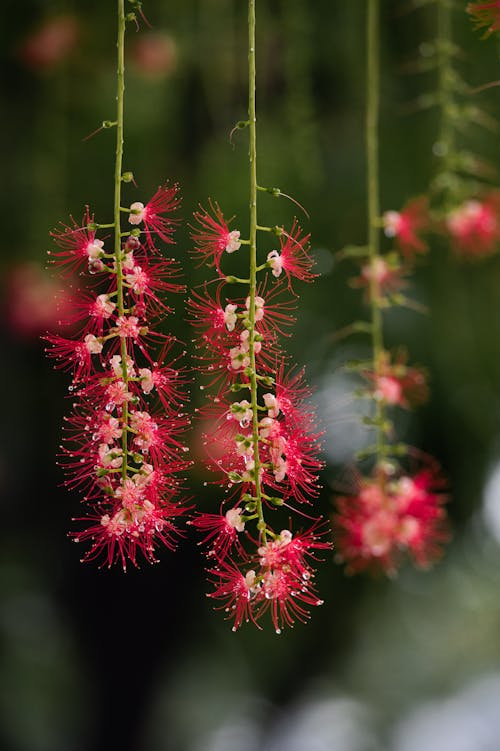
(34, 301)
(51, 43)
(154, 54)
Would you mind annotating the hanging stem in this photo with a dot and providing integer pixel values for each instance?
(372, 186)
(120, 88)
(253, 262)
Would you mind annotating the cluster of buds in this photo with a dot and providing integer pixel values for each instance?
(122, 446)
(391, 515)
(265, 443)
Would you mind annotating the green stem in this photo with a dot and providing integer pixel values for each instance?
(372, 186)
(120, 88)
(253, 262)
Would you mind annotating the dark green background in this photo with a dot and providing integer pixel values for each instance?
(97, 660)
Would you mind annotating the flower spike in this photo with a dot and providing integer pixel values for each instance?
(260, 433)
(123, 445)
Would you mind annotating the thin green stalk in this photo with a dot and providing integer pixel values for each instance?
(253, 261)
(120, 88)
(373, 199)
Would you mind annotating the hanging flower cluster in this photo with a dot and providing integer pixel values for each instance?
(122, 447)
(462, 207)
(262, 437)
(266, 442)
(122, 441)
(390, 511)
(392, 515)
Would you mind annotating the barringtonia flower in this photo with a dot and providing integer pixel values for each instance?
(386, 271)
(213, 238)
(293, 258)
(34, 302)
(277, 579)
(79, 248)
(51, 43)
(121, 450)
(389, 516)
(155, 216)
(269, 441)
(485, 14)
(396, 383)
(475, 227)
(406, 226)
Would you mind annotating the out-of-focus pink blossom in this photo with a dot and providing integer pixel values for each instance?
(475, 227)
(390, 516)
(51, 43)
(406, 226)
(154, 54)
(34, 301)
(397, 384)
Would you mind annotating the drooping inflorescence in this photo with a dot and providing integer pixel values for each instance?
(392, 511)
(123, 440)
(261, 434)
(463, 205)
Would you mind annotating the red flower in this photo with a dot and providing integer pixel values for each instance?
(213, 237)
(221, 531)
(236, 590)
(405, 226)
(34, 301)
(79, 247)
(387, 272)
(389, 516)
(155, 55)
(51, 43)
(475, 227)
(293, 257)
(164, 201)
(485, 14)
(396, 384)
(122, 445)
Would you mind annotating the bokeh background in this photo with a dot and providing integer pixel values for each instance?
(95, 660)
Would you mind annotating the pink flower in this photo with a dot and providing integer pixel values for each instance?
(397, 384)
(155, 55)
(79, 246)
(123, 453)
(391, 515)
(406, 225)
(221, 531)
(278, 580)
(213, 237)
(34, 301)
(128, 326)
(475, 228)
(293, 257)
(264, 445)
(164, 201)
(485, 14)
(386, 272)
(72, 354)
(237, 591)
(50, 44)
